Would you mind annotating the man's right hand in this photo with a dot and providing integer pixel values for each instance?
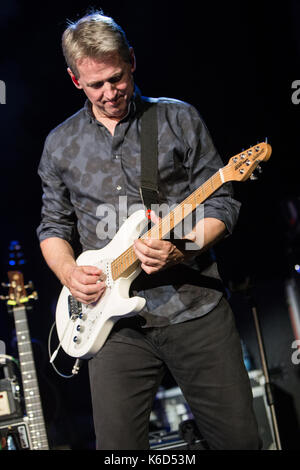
(86, 283)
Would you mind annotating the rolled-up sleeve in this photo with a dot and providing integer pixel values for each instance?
(57, 214)
(202, 161)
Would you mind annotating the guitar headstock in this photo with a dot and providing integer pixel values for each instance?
(242, 165)
(17, 293)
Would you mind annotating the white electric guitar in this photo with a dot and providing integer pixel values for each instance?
(83, 329)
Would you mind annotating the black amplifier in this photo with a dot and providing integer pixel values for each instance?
(10, 394)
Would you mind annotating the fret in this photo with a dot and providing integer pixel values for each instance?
(39, 445)
(28, 380)
(33, 399)
(33, 405)
(30, 389)
(27, 362)
(37, 434)
(25, 352)
(38, 428)
(36, 431)
(36, 416)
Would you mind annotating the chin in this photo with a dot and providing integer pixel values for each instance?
(119, 112)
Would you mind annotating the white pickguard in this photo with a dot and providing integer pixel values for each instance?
(83, 336)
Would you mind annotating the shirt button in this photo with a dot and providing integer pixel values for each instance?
(119, 188)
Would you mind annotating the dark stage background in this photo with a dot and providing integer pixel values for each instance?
(236, 62)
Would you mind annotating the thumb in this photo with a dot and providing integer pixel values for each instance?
(91, 270)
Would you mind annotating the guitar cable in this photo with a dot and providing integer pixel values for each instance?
(10, 358)
(52, 356)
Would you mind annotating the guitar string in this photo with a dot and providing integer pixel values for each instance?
(121, 260)
(118, 262)
(204, 188)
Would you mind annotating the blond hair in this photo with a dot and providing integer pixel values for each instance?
(94, 36)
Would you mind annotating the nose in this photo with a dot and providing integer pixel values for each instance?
(109, 91)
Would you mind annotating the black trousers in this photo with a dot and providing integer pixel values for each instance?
(205, 358)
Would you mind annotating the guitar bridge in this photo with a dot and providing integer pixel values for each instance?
(75, 308)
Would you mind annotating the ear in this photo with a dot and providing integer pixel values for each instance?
(133, 60)
(74, 79)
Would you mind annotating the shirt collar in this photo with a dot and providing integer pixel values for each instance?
(133, 108)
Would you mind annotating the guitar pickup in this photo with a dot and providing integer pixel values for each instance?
(75, 307)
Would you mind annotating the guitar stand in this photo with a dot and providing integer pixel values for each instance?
(246, 289)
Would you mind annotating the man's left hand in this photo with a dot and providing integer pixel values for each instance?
(157, 254)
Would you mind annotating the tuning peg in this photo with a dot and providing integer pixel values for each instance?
(33, 296)
(5, 284)
(259, 169)
(253, 177)
(29, 285)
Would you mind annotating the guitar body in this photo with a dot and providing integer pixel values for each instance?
(82, 329)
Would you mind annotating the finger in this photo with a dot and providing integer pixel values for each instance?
(88, 289)
(86, 298)
(155, 244)
(86, 275)
(149, 257)
(149, 269)
(93, 270)
(155, 249)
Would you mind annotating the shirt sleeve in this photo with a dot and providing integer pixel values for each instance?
(202, 161)
(57, 214)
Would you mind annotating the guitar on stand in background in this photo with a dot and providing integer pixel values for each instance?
(25, 432)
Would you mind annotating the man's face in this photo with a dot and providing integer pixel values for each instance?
(107, 83)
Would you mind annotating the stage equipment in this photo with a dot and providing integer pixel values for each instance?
(33, 423)
(246, 289)
(172, 425)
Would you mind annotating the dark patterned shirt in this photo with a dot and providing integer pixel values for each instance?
(91, 181)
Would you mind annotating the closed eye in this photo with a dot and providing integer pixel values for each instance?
(114, 79)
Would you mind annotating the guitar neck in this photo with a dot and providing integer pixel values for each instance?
(32, 398)
(127, 261)
(186, 207)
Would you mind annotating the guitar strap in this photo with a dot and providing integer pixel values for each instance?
(149, 156)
